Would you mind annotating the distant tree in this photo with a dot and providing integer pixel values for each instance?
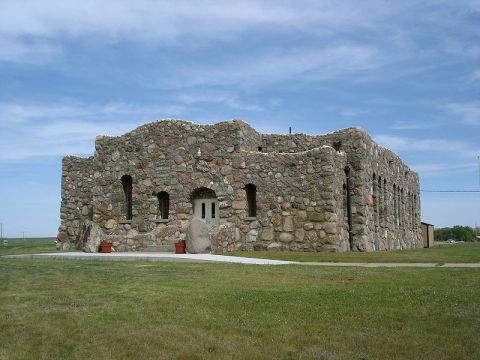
(458, 233)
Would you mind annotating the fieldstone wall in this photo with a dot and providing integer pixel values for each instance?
(76, 207)
(300, 180)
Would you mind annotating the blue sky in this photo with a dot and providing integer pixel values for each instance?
(408, 72)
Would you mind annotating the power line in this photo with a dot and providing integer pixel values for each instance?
(452, 191)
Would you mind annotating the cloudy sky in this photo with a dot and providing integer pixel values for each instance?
(408, 72)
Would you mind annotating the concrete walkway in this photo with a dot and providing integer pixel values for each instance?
(150, 256)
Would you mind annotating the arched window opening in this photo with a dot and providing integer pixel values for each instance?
(395, 212)
(251, 191)
(409, 204)
(348, 205)
(375, 200)
(412, 210)
(402, 207)
(385, 203)
(127, 190)
(163, 204)
(380, 202)
(415, 207)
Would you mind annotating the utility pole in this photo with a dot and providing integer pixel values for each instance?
(477, 228)
(1, 233)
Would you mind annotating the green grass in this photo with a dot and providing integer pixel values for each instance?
(28, 246)
(60, 309)
(444, 253)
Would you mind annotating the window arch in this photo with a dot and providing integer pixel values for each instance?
(127, 190)
(251, 191)
(163, 204)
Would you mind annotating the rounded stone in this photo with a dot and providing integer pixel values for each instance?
(308, 226)
(286, 237)
(110, 224)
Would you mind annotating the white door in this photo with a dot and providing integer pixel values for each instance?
(206, 210)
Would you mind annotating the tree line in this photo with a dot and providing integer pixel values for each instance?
(457, 233)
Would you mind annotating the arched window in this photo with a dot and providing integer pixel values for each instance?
(127, 190)
(415, 210)
(380, 201)
(163, 204)
(395, 210)
(385, 200)
(375, 200)
(402, 207)
(347, 204)
(251, 191)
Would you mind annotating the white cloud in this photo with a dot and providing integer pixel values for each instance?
(32, 130)
(353, 113)
(475, 76)
(302, 64)
(469, 112)
(405, 125)
(406, 144)
(29, 52)
(166, 20)
(441, 169)
(228, 100)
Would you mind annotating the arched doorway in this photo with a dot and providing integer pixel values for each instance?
(205, 205)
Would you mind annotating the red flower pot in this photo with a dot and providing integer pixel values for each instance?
(106, 248)
(180, 248)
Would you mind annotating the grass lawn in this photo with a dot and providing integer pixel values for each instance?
(28, 246)
(444, 253)
(61, 309)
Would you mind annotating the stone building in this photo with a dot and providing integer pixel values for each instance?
(226, 187)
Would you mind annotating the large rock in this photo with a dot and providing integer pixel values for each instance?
(91, 235)
(198, 240)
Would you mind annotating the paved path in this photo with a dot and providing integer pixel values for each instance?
(150, 256)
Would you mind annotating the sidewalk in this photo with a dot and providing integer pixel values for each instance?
(226, 259)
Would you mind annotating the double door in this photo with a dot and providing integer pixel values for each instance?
(206, 210)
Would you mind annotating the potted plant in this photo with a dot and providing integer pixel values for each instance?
(180, 247)
(106, 246)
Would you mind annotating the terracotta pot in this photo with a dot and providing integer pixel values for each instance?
(180, 248)
(106, 248)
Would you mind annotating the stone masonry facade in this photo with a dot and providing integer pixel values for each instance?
(337, 192)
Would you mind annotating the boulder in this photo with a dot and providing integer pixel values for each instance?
(91, 235)
(198, 240)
